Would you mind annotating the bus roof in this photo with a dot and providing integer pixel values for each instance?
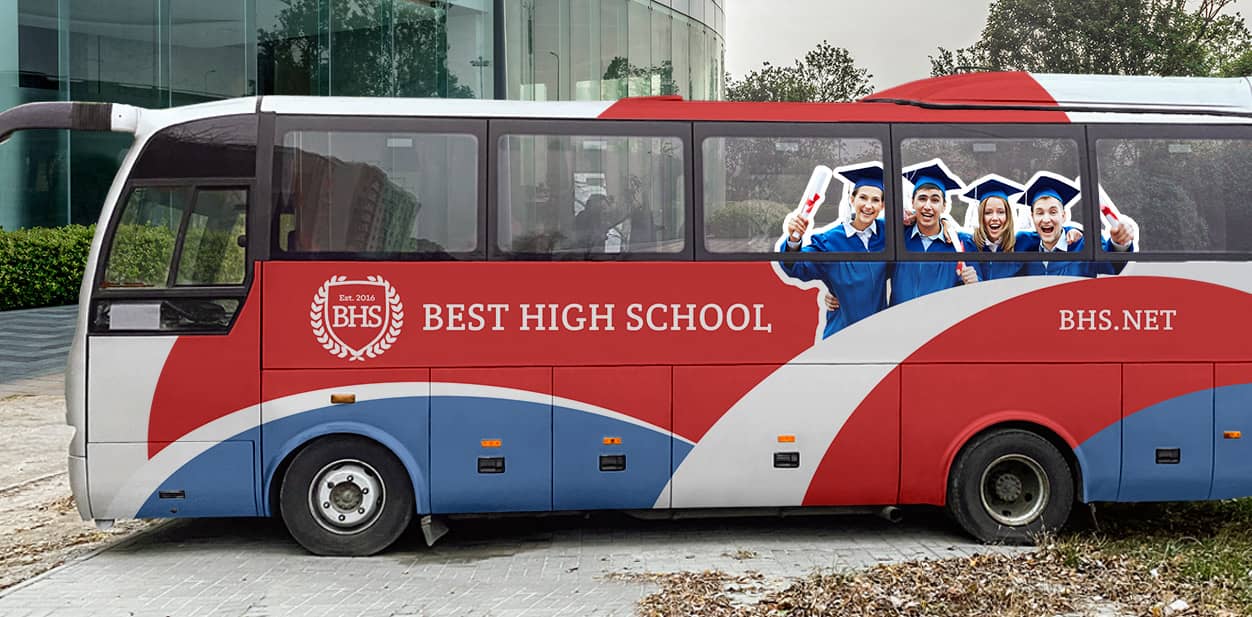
(1009, 97)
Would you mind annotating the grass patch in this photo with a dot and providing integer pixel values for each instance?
(1164, 560)
(1205, 545)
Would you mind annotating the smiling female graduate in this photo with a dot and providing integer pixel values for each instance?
(927, 234)
(1049, 196)
(995, 230)
(860, 285)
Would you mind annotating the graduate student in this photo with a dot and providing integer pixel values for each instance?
(994, 228)
(861, 285)
(928, 233)
(1049, 196)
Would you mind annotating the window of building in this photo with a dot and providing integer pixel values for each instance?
(587, 195)
(377, 193)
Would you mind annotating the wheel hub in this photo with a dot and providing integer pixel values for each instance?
(346, 496)
(1008, 487)
(1014, 490)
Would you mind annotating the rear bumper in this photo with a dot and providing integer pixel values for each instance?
(78, 485)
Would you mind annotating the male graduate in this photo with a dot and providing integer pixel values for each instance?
(927, 234)
(1049, 196)
(860, 285)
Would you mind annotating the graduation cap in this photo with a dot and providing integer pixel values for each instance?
(992, 185)
(870, 174)
(1047, 184)
(933, 173)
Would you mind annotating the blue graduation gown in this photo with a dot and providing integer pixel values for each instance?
(1024, 242)
(861, 286)
(1086, 269)
(913, 279)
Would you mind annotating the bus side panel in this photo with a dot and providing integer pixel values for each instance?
(1167, 411)
(1232, 431)
(390, 406)
(765, 449)
(491, 440)
(611, 458)
(862, 465)
(944, 405)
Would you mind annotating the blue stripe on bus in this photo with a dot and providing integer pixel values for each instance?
(578, 482)
(1119, 462)
(1100, 459)
(399, 423)
(1185, 423)
(1232, 458)
(220, 481)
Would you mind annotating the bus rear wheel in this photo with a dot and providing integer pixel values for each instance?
(1010, 486)
(347, 496)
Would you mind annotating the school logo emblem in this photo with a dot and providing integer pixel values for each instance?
(356, 319)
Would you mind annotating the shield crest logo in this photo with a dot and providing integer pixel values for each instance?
(356, 319)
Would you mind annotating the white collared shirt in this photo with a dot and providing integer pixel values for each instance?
(928, 240)
(1062, 245)
(864, 234)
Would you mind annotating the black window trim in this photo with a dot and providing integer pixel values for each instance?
(193, 185)
(499, 128)
(1096, 132)
(991, 130)
(283, 124)
(881, 132)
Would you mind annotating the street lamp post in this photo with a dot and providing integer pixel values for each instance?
(558, 73)
(480, 63)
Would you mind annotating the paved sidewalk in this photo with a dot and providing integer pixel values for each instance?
(505, 567)
(34, 344)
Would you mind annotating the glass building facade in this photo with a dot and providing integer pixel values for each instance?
(163, 53)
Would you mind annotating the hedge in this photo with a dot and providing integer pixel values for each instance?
(42, 266)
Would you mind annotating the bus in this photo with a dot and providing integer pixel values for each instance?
(361, 314)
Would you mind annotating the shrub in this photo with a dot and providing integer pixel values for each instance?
(42, 266)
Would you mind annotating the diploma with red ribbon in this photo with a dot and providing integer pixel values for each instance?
(814, 194)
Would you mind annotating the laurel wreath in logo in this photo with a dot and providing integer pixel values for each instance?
(331, 343)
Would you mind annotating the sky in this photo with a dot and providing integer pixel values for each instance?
(779, 31)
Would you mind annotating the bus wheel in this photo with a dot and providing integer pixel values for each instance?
(1009, 486)
(346, 495)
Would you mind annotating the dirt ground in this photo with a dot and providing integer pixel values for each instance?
(39, 524)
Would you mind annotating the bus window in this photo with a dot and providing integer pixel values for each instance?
(143, 241)
(959, 164)
(752, 183)
(377, 193)
(1186, 195)
(590, 195)
(211, 251)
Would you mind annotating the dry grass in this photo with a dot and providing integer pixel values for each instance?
(1145, 559)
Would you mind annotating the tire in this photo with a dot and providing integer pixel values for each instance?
(1009, 486)
(346, 495)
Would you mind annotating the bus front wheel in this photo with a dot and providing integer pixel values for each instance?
(346, 495)
(1009, 486)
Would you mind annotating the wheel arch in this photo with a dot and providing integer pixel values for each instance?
(1048, 430)
(277, 465)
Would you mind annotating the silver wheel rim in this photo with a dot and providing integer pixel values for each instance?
(1014, 490)
(346, 496)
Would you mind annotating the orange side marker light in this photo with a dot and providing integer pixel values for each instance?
(612, 441)
(342, 399)
(492, 443)
(786, 439)
(1233, 434)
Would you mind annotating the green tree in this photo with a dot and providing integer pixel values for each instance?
(825, 74)
(1131, 37)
